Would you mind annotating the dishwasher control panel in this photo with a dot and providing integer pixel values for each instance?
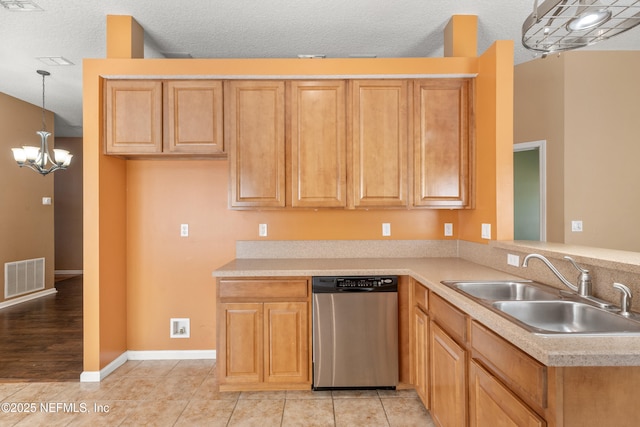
(330, 284)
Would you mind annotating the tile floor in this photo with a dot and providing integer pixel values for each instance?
(185, 393)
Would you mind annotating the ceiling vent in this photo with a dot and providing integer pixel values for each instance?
(20, 6)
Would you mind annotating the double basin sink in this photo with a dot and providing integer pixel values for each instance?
(544, 310)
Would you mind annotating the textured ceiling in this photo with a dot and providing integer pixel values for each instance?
(76, 29)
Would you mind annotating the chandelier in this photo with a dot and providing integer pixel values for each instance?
(38, 158)
(558, 25)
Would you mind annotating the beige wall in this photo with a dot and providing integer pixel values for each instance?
(585, 104)
(539, 115)
(68, 209)
(26, 225)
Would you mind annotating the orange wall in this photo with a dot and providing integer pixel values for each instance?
(494, 147)
(26, 225)
(138, 271)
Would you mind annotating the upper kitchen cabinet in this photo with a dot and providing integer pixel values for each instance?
(191, 109)
(133, 116)
(318, 143)
(193, 117)
(443, 142)
(379, 143)
(255, 134)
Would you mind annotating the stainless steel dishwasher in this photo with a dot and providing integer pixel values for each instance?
(355, 332)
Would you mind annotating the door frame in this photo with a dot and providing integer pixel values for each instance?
(542, 169)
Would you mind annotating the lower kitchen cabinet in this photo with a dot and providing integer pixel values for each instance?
(263, 344)
(448, 379)
(492, 404)
(421, 355)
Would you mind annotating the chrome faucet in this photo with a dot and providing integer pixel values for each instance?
(625, 299)
(583, 288)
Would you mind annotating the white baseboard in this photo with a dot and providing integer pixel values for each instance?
(170, 354)
(68, 272)
(97, 376)
(29, 297)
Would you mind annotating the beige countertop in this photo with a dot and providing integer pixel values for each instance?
(551, 351)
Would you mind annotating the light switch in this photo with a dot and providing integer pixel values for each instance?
(386, 229)
(262, 230)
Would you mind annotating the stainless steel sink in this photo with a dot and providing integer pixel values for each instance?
(567, 317)
(544, 310)
(505, 290)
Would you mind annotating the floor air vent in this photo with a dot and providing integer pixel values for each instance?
(22, 277)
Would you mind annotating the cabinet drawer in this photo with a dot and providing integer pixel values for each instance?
(262, 288)
(449, 318)
(521, 373)
(421, 296)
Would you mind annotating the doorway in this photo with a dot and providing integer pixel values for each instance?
(529, 191)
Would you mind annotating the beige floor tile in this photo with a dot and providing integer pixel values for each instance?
(123, 370)
(403, 393)
(308, 413)
(359, 412)
(49, 419)
(410, 412)
(206, 413)
(9, 389)
(188, 368)
(177, 387)
(105, 413)
(155, 368)
(156, 413)
(132, 388)
(73, 392)
(208, 390)
(308, 394)
(263, 395)
(37, 392)
(354, 394)
(258, 413)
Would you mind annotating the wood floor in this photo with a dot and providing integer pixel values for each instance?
(41, 340)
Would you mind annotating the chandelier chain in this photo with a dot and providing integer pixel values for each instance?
(44, 122)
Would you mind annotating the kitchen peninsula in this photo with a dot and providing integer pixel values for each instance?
(550, 381)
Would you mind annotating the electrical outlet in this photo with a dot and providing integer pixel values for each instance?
(576, 226)
(180, 328)
(386, 229)
(262, 230)
(448, 229)
(184, 230)
(46, 200)
(513, 260)
(486, 231)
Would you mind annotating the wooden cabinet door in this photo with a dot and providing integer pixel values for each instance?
(448, 377)
(193, 111)
(421, 354)
(286, 342)
(241, 352)
(133, 116)
(254, 134)
(443, 132)
(318, 143)
(379, 143)
(493, 404)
